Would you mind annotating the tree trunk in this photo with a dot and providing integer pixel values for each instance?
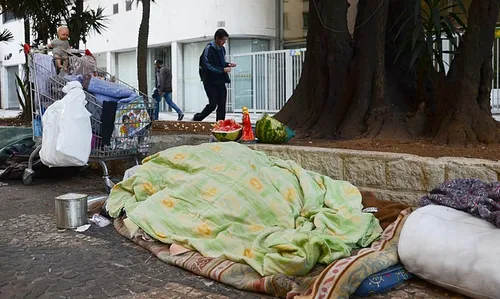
(27, 106)
(367, 71)
(142, 48)
(354, 87)
(27, 31)
(77, 25)
(317, 104)
(464, 113)
(359, 90)
(42, 34)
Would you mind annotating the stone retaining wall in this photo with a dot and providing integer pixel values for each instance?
(393, 176)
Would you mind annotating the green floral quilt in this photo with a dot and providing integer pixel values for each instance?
(226, 200)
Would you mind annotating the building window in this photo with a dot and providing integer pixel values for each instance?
(248, 69)
(305, 20)
(115, 8)
(294, 22)
(128, 5)
(7, 16)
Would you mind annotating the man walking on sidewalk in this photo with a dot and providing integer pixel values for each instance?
(214, 72)
(163, 84)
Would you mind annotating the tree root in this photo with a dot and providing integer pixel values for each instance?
(468, 129)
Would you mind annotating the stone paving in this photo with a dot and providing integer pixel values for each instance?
(37, 260)
(9, 113)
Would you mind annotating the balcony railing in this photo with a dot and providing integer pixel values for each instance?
(264, 81)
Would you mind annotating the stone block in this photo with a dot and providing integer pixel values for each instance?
(329, 165)
(278, 151)
(415, 174)
(365, 172)
(471, 168)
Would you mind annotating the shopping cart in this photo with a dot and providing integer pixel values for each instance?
(123, 136)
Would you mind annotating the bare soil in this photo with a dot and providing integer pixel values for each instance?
(181, 127)
(15, 122)
(420, 147)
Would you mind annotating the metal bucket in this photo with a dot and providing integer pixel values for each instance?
(71, 210)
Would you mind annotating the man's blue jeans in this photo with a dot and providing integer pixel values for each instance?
(168, 99)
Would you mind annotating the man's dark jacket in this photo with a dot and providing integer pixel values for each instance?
(165, 80)
(214, 62)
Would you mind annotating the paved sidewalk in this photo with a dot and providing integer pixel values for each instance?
(37, 260)
(9, 113)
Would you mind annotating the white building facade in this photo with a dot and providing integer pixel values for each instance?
(11, 62)
(178, 32)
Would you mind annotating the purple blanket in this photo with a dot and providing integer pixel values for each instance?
(473, 196)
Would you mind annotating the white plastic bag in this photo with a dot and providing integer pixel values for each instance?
(452, 249)
(67, 132)
(130, 172)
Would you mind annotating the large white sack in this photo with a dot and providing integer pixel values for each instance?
(452, 249)
(67, 132)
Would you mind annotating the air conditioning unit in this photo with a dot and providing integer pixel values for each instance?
(221, 23)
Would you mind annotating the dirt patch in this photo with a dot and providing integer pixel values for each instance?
(181, 127)
(15, 122)
(420, 147)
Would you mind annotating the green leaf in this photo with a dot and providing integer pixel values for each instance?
(416, 34)
(450, 32)
(6, 36)
(401, 27)
(460, 4)
(439, 59)
(445, 9)
(22, 98)
(96, 20)
(436, 17)
(418, 9)
(433, 27)
(415, 55)
(425, 16)
(458, 20)
(429, 41)
(401, 50)
(398, 19)
(439, 51)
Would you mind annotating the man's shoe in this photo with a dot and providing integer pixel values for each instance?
(181, 116)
